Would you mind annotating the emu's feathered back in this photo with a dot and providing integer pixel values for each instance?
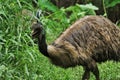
(93, 36)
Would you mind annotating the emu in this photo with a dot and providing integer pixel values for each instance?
(89, 40)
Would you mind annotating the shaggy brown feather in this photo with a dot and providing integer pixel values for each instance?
(93, 36)
(89, 40)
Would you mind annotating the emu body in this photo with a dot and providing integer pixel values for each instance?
(89, 40)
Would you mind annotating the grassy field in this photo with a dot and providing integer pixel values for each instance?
(19, 55)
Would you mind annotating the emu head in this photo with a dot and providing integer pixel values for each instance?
(37, 28)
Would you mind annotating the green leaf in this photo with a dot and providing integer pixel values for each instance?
(2, 69)
(88, 6)
(2, 13)
(46, 5)
(26, 70)
(112, 3)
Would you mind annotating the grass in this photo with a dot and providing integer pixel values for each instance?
(19, 56)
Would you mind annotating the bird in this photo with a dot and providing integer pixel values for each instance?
(90, 40)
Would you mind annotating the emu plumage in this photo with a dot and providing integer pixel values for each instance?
(89, 40)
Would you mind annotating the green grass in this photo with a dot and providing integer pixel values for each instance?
(19, 56)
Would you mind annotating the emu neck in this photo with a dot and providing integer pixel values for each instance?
(43, 46)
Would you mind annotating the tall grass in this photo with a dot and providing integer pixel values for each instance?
(15, 51)
(19, 56)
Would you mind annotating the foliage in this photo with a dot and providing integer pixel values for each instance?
(46, 5)
(15, 55)
(56, 22)
(19, 56)
(111, 3)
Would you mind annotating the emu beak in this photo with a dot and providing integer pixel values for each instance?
(33, 34)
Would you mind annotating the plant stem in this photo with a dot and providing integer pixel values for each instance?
(104, 8)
